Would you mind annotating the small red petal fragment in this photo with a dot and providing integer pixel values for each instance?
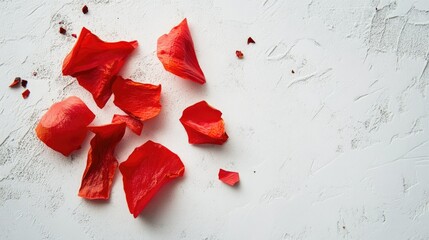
(24, 83)
(250, 40)
(63, 127)
(139, 100)
(15, 82)
(101, 162)
(63, 30)
(95, 63)
(74, 35)
(176, 52)
(26, 93)
(85, 9)
(204, 124)
(147, 169)
(135, 125)
(239, 54)
(230, 178)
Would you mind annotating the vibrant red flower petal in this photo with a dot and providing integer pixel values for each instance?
(239, 54)
(95, 63)
(15, 82)
(135, 125)
(63, 127)
(250, 40)
(230, 178)
(26, 93)
(176, 52)
(147, 169)
(138, 100)
(101, 162)
(204, 124)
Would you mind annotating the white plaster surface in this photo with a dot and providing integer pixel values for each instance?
(337, 150)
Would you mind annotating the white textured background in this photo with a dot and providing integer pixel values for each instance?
(338, 150)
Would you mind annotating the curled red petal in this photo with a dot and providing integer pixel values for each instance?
(250, 40)
(101, 162)
(239, 54)
(85, 9)
(135, 125)
(139, 100)
(63, 127)
(95, 63)
(147, 169)
(228, 177)
(15, 82)
(26, 93)
(204, 124)
(176, 52)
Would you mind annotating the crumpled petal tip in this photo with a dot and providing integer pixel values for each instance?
(229, 177)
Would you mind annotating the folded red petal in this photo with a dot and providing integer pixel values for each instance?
(63, 127)
(176, 52)
(138, 100)
(147, 169)
(95, 63)
(101, 162)
(230, 178)
(204, 124)
(135, 125)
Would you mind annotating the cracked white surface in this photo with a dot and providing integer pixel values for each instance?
(337, 150)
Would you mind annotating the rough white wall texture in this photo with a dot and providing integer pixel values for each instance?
(337, 150)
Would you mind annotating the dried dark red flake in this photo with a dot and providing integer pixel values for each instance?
(74, 35)
(64, 126)
(204, 124)
(134, 124)
(239, 54)
(176, 52)
(139, 100)
(250, 40)
(15, 82)
(228, 177)
(147, 169)
(95, 63)
(24, 83)
(34, 73)
(63, 30)
(85, 9)
(101, 162)
(26, 93)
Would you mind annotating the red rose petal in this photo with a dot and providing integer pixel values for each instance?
(101, 163)
(135, 125)
(15, 82)
(230, 178)
(250, 40)
(138, 100)
(26, 93)
(239, 54)
(85, 9)
(204, 124)
(176, 52)
(63, 31)
(147, 169)
(24, 83)
(63, 127)
(74, 35)
(95, 63)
